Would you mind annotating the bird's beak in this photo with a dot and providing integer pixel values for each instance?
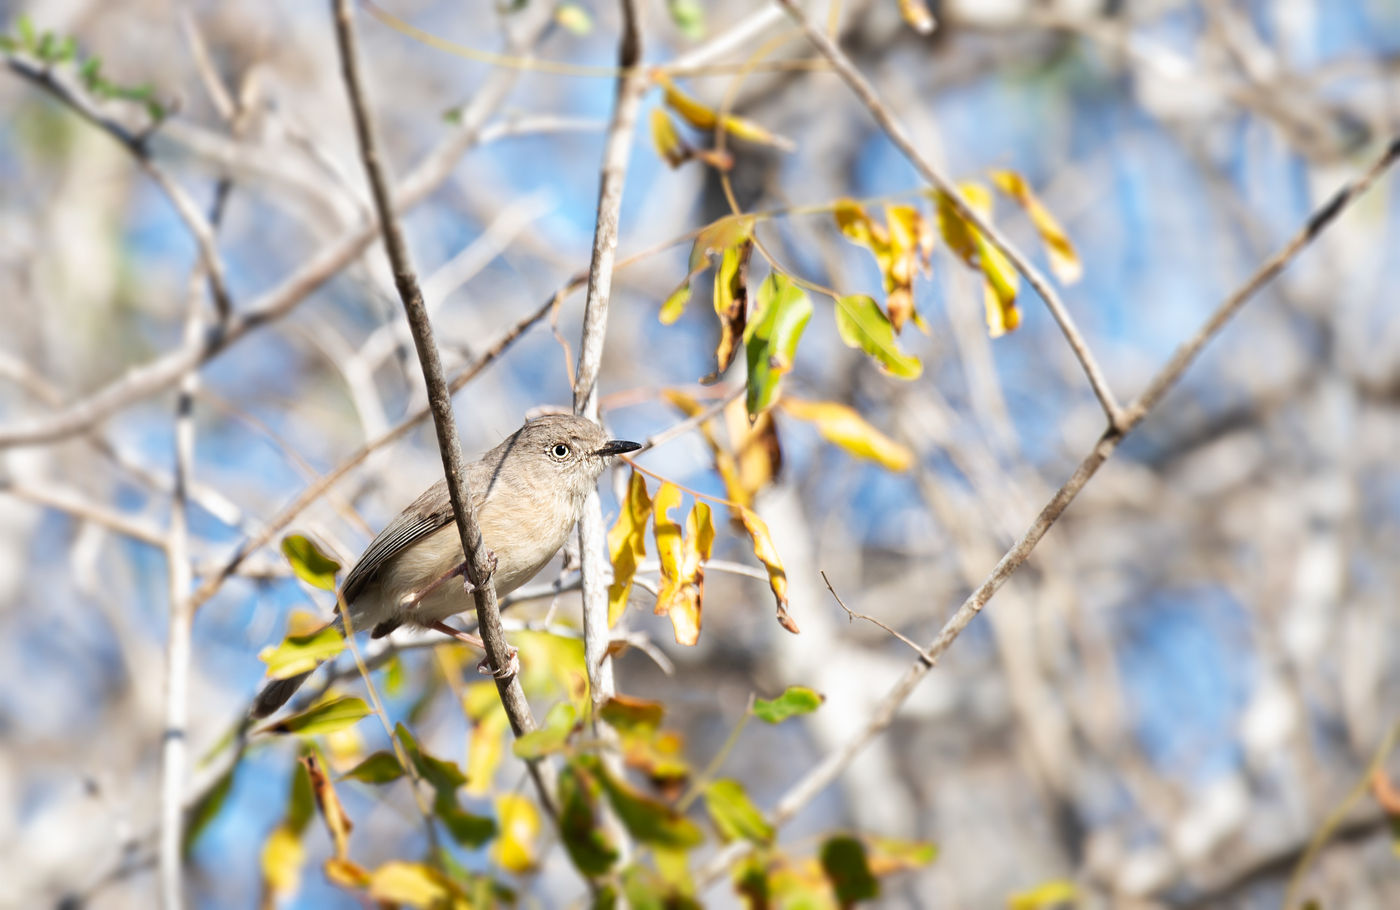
(618, 447)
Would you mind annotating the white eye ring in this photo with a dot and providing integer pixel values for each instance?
(559, 450)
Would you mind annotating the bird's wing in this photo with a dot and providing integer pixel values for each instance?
(425, 515)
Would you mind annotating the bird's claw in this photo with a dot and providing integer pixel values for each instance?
(512, 667)
(491, 562)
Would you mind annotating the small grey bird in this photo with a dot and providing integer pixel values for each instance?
(528, 493)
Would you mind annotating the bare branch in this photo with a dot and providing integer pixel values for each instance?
(902, 140)
(498, 650)
(853, 615)
(616, 154)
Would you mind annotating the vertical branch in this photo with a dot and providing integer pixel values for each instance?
(631, 84)
(488, 614)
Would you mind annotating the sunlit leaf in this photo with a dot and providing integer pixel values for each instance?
(772, 336)
(553, 664)
(1044, 897)
(794, 701)
(438, 773)
(667, 531)
(862, 324)
(627, 544)
(628, 713)
(648, 820)
(712, 240)
(489, 723)
(888, 855)
(750, 877)
(734, 814)
(767, 554)
(281, 861)
(901, 248)
(326, 717)
(670, 146)
(552, 736)
(681, 595)
(758, 455)
(379, 768)
(844, 427)
(573, 18)
(843, 860)
(731, 304)
(414, 884)
(332, 813)
(346, 873)
(584, 839)
(301, 653)
(1064, 260)
(916, 13)
(702, 117)
(516, 850)
(309, 563)
(1002, 283)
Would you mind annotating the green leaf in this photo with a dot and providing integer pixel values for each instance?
(551, 737)
(379, 768)
(633, 715)
(301, 801)
(27, 38)
(862, 324)
(91, 72)
(843, 861)
(689, 17)
(207, 809)
(735, 815)
(771, 337)
(442, 775)
(1043, 897)
(648, 820)
(302, 653)
(796, 700)
(584, 839)
(466, 829)
(309, 563)
(326, 717)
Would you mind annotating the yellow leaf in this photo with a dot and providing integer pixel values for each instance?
(757, 454)
(346, 873)
(712, 240)
(702, 117)
(516, 848)
(482, 705)
(574, 18)
(282, 858)
(1002, 281)
(627, 544)
(844, 427)
(767, 554)
(857, 225)
(669, 145)
(916, 13)
(1064, 260)
(1043, 897)
(409, 883)
(667, 531)
(731, 304)
(337, 822)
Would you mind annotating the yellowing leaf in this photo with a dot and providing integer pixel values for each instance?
(889, 855)
(414, 884)
(337, 822)
(1002, 281)
(627, 544)
(628, 713)
(794, 701)
(901, 248)
(301, 653)
(669, 145)
(309, 563)
(516, 850)
(346, 873)
(702, 117)
(758, 456)
(731, 304)
(648, 820)
(1064, 260)
(326, 717)
(573, 18)
(682, 592)
(712, 240)
(282, 858)
(489, 723)
(861, 324)
(767, 554)
(734, 814)
(552, 736)
(844, 862)
(844, 427)
(772, 336)
(1043, 897)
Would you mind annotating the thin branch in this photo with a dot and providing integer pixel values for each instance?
(902, 140)
(853, 615)
(835, 763)
(66, 500)
(498, 650)
(631, 85)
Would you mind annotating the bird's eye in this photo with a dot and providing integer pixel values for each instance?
(560, 450)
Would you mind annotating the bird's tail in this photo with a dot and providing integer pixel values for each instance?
(276, 693)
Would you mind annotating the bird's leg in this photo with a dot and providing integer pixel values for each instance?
(416, 597)
(512, 661)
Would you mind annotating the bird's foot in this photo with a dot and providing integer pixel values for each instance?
(512, 667)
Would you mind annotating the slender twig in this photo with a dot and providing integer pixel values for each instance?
(68, 501)
(853, 615)
(631, 85)
(905, 143)
(499, 653)
(832, 766)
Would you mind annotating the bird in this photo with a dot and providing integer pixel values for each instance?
(528, 493)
